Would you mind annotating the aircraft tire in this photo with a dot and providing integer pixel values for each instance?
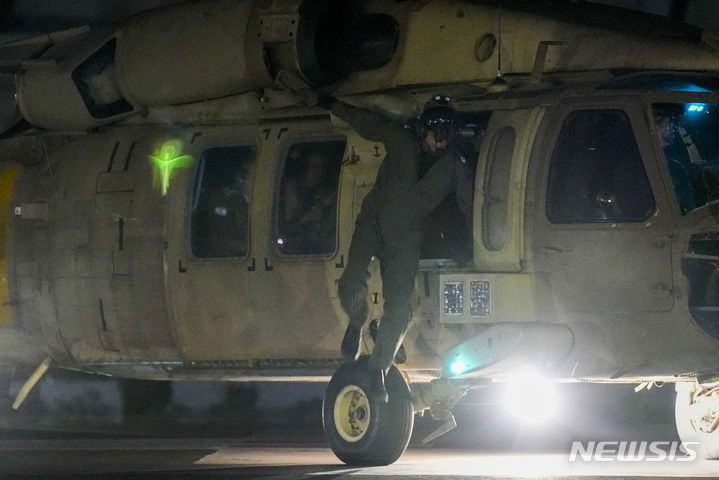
(360, 430)
(708, 447)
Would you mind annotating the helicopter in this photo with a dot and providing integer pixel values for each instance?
(154, 175)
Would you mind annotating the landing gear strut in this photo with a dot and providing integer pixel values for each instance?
(697, 417)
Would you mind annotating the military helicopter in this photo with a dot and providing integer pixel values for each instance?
(153, 175)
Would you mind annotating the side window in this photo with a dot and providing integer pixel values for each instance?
(221, 202)
(306, 215)
(497, 189)
(687, 135)
(596, 173)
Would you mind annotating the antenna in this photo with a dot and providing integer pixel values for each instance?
(498, 84)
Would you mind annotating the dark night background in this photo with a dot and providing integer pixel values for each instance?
(22, 16)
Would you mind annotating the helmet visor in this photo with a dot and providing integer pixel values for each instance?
(439, 121)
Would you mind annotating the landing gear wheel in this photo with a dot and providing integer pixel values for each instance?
(694, 418)
(360, 430)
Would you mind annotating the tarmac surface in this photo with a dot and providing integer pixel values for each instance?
(218, 458)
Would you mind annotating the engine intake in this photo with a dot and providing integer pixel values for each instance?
(193, 52)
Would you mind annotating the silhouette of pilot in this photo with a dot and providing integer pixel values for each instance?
(388, 226)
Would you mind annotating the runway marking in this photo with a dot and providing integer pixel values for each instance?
(277, 457)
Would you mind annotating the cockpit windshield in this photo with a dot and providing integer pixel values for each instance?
(688, 136)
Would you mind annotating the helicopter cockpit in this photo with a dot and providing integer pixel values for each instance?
(687, 136)
(686, 133)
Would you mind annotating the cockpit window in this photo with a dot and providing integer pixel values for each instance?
(306, 215)
(221, 202)
(687, 135)
(596, 173)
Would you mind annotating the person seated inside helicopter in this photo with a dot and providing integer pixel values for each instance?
(686, 133)
(447, 229)
(681, 169)
(220, 221)
(228, 212)
(308, 203)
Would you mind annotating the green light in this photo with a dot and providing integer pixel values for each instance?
(458, 366)
(166, 160)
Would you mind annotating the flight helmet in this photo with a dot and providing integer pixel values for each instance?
(438, 117)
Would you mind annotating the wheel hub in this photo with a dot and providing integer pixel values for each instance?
(352, 413)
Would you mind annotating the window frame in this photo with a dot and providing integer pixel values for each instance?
(649, 99)
(498, 177)
(635, 109)
(193, 195)
(283, 151)
(562, 124)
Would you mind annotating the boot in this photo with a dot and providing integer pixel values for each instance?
(377, 390)
(351, 343)
(401, 355)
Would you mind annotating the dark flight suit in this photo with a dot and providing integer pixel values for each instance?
(451, 173)
(388, 227)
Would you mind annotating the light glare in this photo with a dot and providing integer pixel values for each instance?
(458, 366)
(531, 398)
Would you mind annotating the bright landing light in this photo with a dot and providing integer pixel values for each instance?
(531, 399)
(458, 366)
